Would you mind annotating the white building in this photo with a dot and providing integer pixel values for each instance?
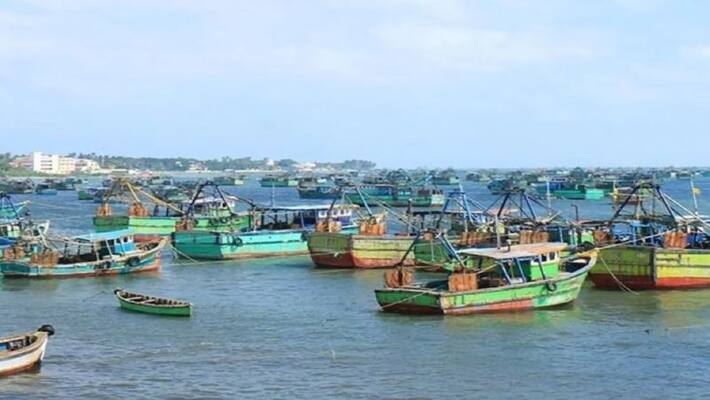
(55, 164)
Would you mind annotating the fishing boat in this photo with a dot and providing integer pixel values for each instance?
(513, 278)
(24, 352)
(13, 230)
(579, 192)
(656, 243)
(477, 177)
(206, 211)
(280, 181)
(314, 190)
(170, 194)
(447, 177)
(277, 231)
(10, 209)
(371, 247)
(152, 305)
(229, 180)
(502, 186)
(17, 186)
(95, 254)
(88, 193)
(515, 217)
(45, 189)
(396, 196)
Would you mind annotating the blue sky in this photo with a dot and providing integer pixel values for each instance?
(404, 83)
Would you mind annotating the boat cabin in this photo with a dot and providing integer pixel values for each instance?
(514, 264)
(99, 246)
(302, 217)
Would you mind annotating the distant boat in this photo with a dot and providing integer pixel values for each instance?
(445, 178)
(24, 351)
(396, 196)
(278, 181)
(153, 305)
(45, 190)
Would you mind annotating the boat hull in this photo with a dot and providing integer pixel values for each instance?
(417, 201)
(202, 245)
(163, 226)
(182, 311)
(590, 194)
(640, 268)
(25, 359)
(341, 250)
(532, 295)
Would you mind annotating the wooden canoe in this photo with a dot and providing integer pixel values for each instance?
(23, 352)
(153, 305)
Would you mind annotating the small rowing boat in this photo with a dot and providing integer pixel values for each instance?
(23, 352)
(153, 305)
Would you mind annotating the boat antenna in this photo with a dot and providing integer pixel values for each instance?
(694, 191)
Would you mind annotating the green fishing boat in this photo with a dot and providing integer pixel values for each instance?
(580, 192)
(514, 278)
(447, 177)
(278, 181)
(396, 196)
(152, 305)
(206, 212)
(655, 243)
(345, 250)
(277, 231)
(229, 180)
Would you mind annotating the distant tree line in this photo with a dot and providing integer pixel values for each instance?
(224, 163)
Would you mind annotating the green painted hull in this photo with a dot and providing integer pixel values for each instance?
(642, 267)
(178, 311)
(224, 246)
(279, 183)
(84, 195)
(342, 250)
(446, 181)
(526, 296)
(166, 225)
(589, 194)
(417, 201)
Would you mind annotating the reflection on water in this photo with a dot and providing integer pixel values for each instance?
(279, 328)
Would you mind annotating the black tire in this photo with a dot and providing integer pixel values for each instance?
(46, 328)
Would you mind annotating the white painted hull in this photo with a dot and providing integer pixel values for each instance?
(23, 359)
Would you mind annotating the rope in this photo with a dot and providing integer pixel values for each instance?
(406, 299)
(621, 285)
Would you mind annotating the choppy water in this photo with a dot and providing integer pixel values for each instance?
(281, 329)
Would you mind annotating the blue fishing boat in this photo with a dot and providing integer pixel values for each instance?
(95, 254)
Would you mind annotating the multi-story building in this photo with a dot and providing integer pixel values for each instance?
(55, 164)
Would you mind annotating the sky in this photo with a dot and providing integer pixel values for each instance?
(434, 83)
